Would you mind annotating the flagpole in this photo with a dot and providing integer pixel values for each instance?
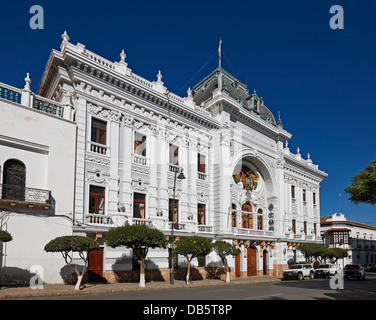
(219, 53)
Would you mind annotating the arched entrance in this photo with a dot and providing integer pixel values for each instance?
(251, 261)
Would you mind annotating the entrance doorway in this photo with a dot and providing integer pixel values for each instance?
(251, 261)
(265, 262)
(237, 265)
(95, 266)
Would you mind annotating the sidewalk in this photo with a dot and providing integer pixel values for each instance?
(89, 288)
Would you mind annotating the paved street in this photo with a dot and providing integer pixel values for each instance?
(315, 289)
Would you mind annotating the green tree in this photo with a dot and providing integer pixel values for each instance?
(313, 251)
(139, 238)
(66, 245)
(363, 187)
(224, 249)
(337, 253)
(5, 236)
(192, 247)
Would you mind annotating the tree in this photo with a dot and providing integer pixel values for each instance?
(5, 236)
(363, 187)
(192, 247)
(313, 251)
(139, 238)
(66, 245)
(337, 253)
(224, 249)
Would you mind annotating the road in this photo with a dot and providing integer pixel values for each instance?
(315, 289)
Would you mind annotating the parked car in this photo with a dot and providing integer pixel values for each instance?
(326, 270)
(354, 271)
(299, 271)
(370, 267)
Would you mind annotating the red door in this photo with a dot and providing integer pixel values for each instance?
(95, 267)
(251, 261)
(237, 265)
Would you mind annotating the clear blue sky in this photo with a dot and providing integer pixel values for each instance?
(321, 80)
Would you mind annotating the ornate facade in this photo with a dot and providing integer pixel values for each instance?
(243, 185)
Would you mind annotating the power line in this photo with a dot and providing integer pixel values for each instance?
(185, 85)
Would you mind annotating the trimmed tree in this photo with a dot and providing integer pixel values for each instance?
(193, 247)
(313, 251)
(224, 249)
(140, 238)
(66, 245)
(337, 253)
(363, 187)
(5, 236)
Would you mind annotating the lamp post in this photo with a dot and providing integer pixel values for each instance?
(180, 177)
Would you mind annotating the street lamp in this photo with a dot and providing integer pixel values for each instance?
(180, 177)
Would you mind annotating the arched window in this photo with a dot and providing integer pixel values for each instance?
(14, 180)
(247, 218)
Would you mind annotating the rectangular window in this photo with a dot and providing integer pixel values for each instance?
(259, 220)
(293, 226)
(305, 227)
(173, 209)
(314, 198)
(234, 224)
(98, 131)
(304, 195)
(201, 163)
(139, 206)
(293, 192)
(96, 200)
(140, 144)
(201, 214)
(174, 155)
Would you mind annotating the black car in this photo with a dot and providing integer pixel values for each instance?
(354, 271)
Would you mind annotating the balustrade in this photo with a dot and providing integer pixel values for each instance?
(139, 159)
(201, 176)
(94, 218)
(13, 95)
(50, 107)
(98, 148)
(23, 194)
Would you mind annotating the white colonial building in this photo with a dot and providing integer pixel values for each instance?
(37, 153)
(242, 184)
(359, 239)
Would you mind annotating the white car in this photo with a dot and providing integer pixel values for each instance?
(299, 271)
(326, 270)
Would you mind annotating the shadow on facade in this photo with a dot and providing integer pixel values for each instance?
(13, 276)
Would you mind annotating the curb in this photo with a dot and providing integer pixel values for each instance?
(102, 291)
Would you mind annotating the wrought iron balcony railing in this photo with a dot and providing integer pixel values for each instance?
(23, 194)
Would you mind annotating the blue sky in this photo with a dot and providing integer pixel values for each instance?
(321, 80)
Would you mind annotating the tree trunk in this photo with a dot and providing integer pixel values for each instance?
(142, 272)
(78, 283)
(79, 277)
(227, 272)
(188, 273)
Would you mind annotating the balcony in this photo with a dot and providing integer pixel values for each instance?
(98, 148)
(252, 232)
(98, 219)
(22, 196)
(139, 159)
